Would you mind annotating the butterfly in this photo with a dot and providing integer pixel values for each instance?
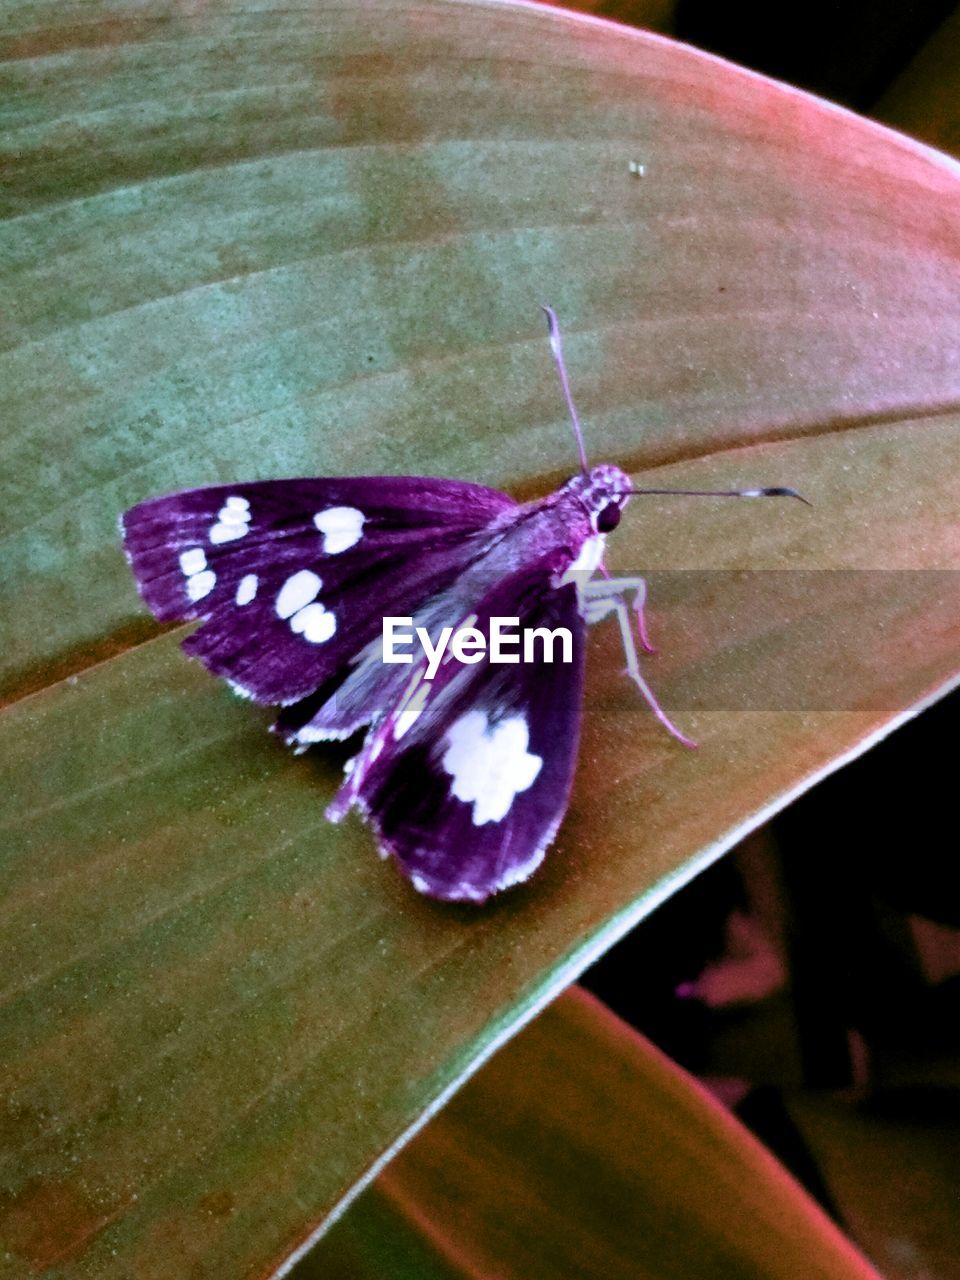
(464, 777)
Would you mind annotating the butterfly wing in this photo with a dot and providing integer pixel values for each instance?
(292, 577)
(467, 778)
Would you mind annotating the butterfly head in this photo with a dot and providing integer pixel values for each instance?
(604, 491)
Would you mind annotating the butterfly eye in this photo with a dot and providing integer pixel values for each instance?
(608, 518)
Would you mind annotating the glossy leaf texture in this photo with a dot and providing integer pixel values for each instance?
(581, 1151)
(267, 240)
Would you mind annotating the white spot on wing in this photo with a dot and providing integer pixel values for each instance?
(247, 588)
(233, 515)
(297, 592)
(314, 623)
(193, 560)
(342, 528)
(233, 520)
(226, 532)
(201, 584)
(490, 764)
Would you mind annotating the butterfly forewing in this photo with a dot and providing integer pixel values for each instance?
(292, 577)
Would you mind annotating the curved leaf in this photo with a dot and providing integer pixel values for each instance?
(255, 241)
(581, 1151)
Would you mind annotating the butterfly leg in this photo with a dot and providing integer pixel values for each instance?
(605, 597)
(639, 588)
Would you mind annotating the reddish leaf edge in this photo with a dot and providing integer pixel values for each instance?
(557, 11)
(606, 1028)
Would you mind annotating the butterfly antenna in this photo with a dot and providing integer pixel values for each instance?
(775, 492)
(557, 348)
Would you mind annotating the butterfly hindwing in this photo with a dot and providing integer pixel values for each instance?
(292, 577)
(466, 779)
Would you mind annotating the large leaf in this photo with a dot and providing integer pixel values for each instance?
(250, 241)
(580, 1151)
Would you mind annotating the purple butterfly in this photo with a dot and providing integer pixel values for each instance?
(465, 769)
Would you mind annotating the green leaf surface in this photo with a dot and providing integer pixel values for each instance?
(580, 1152)
(245, 242)
(256, 242)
